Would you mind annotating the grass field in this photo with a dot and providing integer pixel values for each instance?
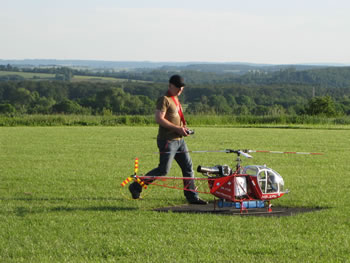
(47, 76)
(28, 75)
(290, 122)
(60, 199)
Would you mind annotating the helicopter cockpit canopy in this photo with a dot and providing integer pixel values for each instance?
(269, 180)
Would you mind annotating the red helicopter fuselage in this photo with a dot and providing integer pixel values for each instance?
(241, 187)
(244, 186)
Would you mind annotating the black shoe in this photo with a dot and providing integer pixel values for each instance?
(197, 201)
(135, 190)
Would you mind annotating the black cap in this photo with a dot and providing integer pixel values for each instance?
(177, 81)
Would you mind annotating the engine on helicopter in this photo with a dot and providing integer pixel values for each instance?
(218, 170)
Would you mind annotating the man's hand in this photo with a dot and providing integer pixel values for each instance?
(182, 131)
(160, 119)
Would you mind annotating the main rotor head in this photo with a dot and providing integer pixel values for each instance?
(240, 152)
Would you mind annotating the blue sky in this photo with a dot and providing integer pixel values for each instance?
(270, 31)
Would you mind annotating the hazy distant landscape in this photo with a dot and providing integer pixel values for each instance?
(131, 88)
(117, 65)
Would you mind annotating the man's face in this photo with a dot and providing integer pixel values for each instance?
(174, 90)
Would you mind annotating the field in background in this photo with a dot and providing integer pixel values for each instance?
(60, 198)
(27, 75)
(283, 121)
(47, 76)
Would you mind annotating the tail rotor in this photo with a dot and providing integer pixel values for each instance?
(134, 178)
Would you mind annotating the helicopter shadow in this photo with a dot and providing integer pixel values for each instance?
(35, 207)
(22, 211)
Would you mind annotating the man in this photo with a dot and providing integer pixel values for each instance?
(171, 145)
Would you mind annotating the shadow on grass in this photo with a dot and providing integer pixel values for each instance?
(38, 205)
(211, 209)
(23, 211)
(91, 208)
(30, 198)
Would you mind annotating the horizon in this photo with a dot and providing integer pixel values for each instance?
(171, 62)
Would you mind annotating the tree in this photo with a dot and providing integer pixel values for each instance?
(241, 110)
(7, 108)
(68, 107)
(245, 100)
(41, 105)
(276, 110)
(260, 110)
(148, 105)
(22, 96)
(321, 106)
(219, 103)
(65, 74)
(103, 99)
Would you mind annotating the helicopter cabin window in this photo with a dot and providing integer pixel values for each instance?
(240, 186)
(262, 181)
(272, 185)
(252, 171)
(267, 182)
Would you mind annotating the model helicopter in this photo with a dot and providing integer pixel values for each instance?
(252, 186)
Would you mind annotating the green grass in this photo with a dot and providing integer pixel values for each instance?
(291, 122)
(75, 120)
(60, 199)
(47, 76)
(28, 75)
(104, 79)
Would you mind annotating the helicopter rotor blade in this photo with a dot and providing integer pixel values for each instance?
(220, 151)
(245, 154)
(258, 151)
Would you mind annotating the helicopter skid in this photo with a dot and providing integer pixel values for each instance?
(209, 209)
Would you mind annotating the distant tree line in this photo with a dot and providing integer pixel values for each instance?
(61, 73)
(331, 77)
(325, 77)
(47, 97)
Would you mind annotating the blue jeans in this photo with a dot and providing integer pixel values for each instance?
(170, 150)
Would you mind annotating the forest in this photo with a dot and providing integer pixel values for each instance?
(285, 91)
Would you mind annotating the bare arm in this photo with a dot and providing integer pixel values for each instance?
(160, 119)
